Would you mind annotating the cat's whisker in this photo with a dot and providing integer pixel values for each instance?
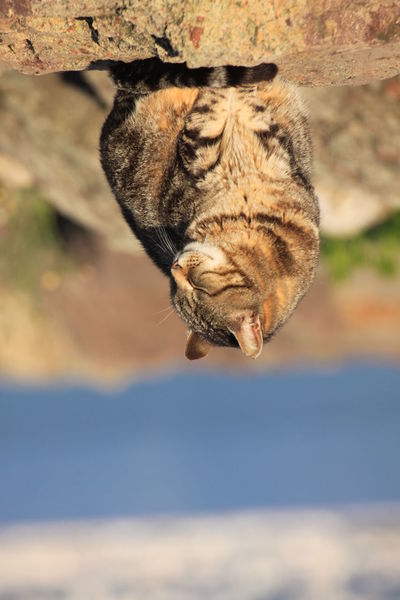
(161, 311)
(167, 241)
(165, 318)
(161, 245)
(172, 245)
(164, 246)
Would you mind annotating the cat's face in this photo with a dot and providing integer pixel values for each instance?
(225, 304)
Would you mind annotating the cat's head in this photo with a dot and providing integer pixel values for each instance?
(231, 298)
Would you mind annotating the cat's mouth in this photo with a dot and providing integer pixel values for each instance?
(187, 259)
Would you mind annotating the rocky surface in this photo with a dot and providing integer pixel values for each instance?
(50, 129)
(356, 136)
(296, 555)
(313, 42)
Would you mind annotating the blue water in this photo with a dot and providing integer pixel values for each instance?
(192, 443)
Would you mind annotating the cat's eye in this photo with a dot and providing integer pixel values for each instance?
(202, 290)
(197, 287)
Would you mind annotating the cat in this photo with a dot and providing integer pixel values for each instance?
(211, 168)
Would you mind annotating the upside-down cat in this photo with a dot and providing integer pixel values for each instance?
(211, 168)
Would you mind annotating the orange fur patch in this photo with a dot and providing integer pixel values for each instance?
(281, 294)
(180, 98)
(163, 124)
(170, 103)
(267, 314)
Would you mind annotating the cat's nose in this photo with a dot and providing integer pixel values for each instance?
(179, 273)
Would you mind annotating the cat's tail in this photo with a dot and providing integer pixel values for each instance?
(152, 74)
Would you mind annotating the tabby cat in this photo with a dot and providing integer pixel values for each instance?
(211, 168)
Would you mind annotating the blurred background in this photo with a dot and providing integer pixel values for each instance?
(126, 472)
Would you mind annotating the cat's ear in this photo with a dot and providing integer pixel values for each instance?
(248, 333)
(196, 347)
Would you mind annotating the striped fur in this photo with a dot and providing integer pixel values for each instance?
(152, 74)
(211, 168)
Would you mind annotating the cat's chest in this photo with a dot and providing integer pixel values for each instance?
(222, 132)
(227, 112)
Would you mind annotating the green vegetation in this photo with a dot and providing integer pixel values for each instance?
(378, 248)
(31, 248)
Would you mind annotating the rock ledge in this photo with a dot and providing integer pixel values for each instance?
(333, 42)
